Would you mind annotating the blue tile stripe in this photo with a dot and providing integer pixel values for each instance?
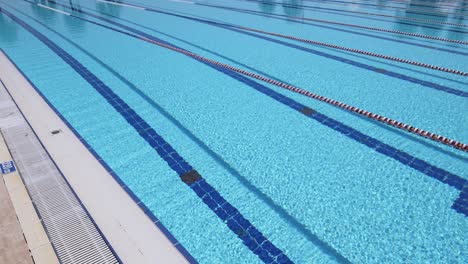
(385, 149)
(461, 204)
(248, 233)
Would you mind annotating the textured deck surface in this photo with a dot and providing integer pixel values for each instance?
(70, 229)
(13, 247)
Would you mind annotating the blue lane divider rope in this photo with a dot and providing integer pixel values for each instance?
(242, 227)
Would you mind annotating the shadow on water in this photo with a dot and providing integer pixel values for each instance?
(267, 6)
(8, 30)
(447, 31)
(401, 23)
(459, 11)
(381, 4)
(44, 14)
(109, 8)
(292, 8)
(75, 25)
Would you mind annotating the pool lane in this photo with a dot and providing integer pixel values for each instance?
(383, 71)
(328, 45)
(392, 74)
(241, 8)
(394, 123)
(200, 105)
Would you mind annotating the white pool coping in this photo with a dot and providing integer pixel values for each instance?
(131, 233)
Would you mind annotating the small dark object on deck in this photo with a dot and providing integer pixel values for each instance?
(307, 111)
(190, 177)
(55, 132)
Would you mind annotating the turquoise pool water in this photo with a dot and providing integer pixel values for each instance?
(317, 194)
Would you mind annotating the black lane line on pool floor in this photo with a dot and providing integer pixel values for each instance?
(249, 234)
(460, 205)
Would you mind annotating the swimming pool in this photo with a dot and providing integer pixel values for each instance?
(245, 171)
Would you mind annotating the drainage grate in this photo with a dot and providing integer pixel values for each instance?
(71, 231)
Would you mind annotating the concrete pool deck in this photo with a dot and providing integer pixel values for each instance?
(129, 231)
(13, 246)
(22, 235)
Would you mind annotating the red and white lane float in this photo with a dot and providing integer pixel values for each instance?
(376, 117)
(348, 25)
(367, 53)
(386, 120)
(415, 63)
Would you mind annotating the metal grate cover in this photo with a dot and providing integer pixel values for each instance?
(72, 232)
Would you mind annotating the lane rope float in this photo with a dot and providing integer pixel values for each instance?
(415, 63)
